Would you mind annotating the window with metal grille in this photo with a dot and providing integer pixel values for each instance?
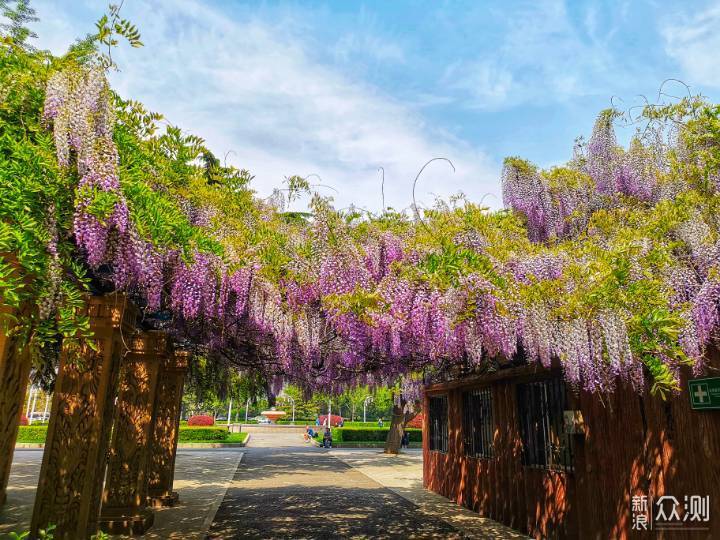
(540, 407)
(477, 423)
(438, 418)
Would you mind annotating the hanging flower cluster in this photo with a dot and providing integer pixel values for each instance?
(80, 107)
(78, 104)
(607, 266)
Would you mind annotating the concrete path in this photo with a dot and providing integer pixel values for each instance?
(402, 474)
(291, 492)
(284, 488)
(15, 514)
(201, 477)
(284, 491)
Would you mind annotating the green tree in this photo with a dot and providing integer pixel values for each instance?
(18, 14)
(382, 404)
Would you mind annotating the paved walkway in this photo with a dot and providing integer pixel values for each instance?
(402, 474)
(281, 490)
(278, 487)
(201, 477)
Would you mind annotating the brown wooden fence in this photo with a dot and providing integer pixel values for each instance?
(632, 446)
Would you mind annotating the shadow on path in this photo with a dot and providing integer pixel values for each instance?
(306, 493)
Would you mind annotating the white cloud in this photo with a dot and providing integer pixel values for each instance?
(694, 43)
(351, 46)
(488, 82)
(250, 86)
(545, 55)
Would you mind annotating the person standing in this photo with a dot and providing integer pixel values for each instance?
(380, 422)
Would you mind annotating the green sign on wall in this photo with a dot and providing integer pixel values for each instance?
(705, 393)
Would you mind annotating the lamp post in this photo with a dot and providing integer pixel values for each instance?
(32, 413)
(247, 406)
(29, 402)
(293, 409)
(367, 400)
(45, 412)
(34, 403)
(229, 412)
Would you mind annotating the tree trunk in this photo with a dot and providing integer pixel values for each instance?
(271, 398)
(397, 426)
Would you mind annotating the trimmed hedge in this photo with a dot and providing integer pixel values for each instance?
(202, 434)
(416, 422)
(37, 434)
(201, 420)
(32, 434)
(370, 434)
(356, 424)
(334, 420)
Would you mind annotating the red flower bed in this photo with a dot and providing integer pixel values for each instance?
(23, 420)
(201, 420)
(334, 420)
(416, 422)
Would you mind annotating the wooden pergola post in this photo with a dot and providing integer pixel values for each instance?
(75, 458)
(124, 505)
(14, 373)
(165, 429)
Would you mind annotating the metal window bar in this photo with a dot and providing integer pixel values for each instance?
(478, 423)
(438, 417)
(545, 443)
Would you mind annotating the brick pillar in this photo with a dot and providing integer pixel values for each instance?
(75, 458)
(165, 429)
(124, 508)
(14, 373)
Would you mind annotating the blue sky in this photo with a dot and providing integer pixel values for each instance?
(342, 88)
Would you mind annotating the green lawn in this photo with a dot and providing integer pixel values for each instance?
(32, 434)
(236, 438)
